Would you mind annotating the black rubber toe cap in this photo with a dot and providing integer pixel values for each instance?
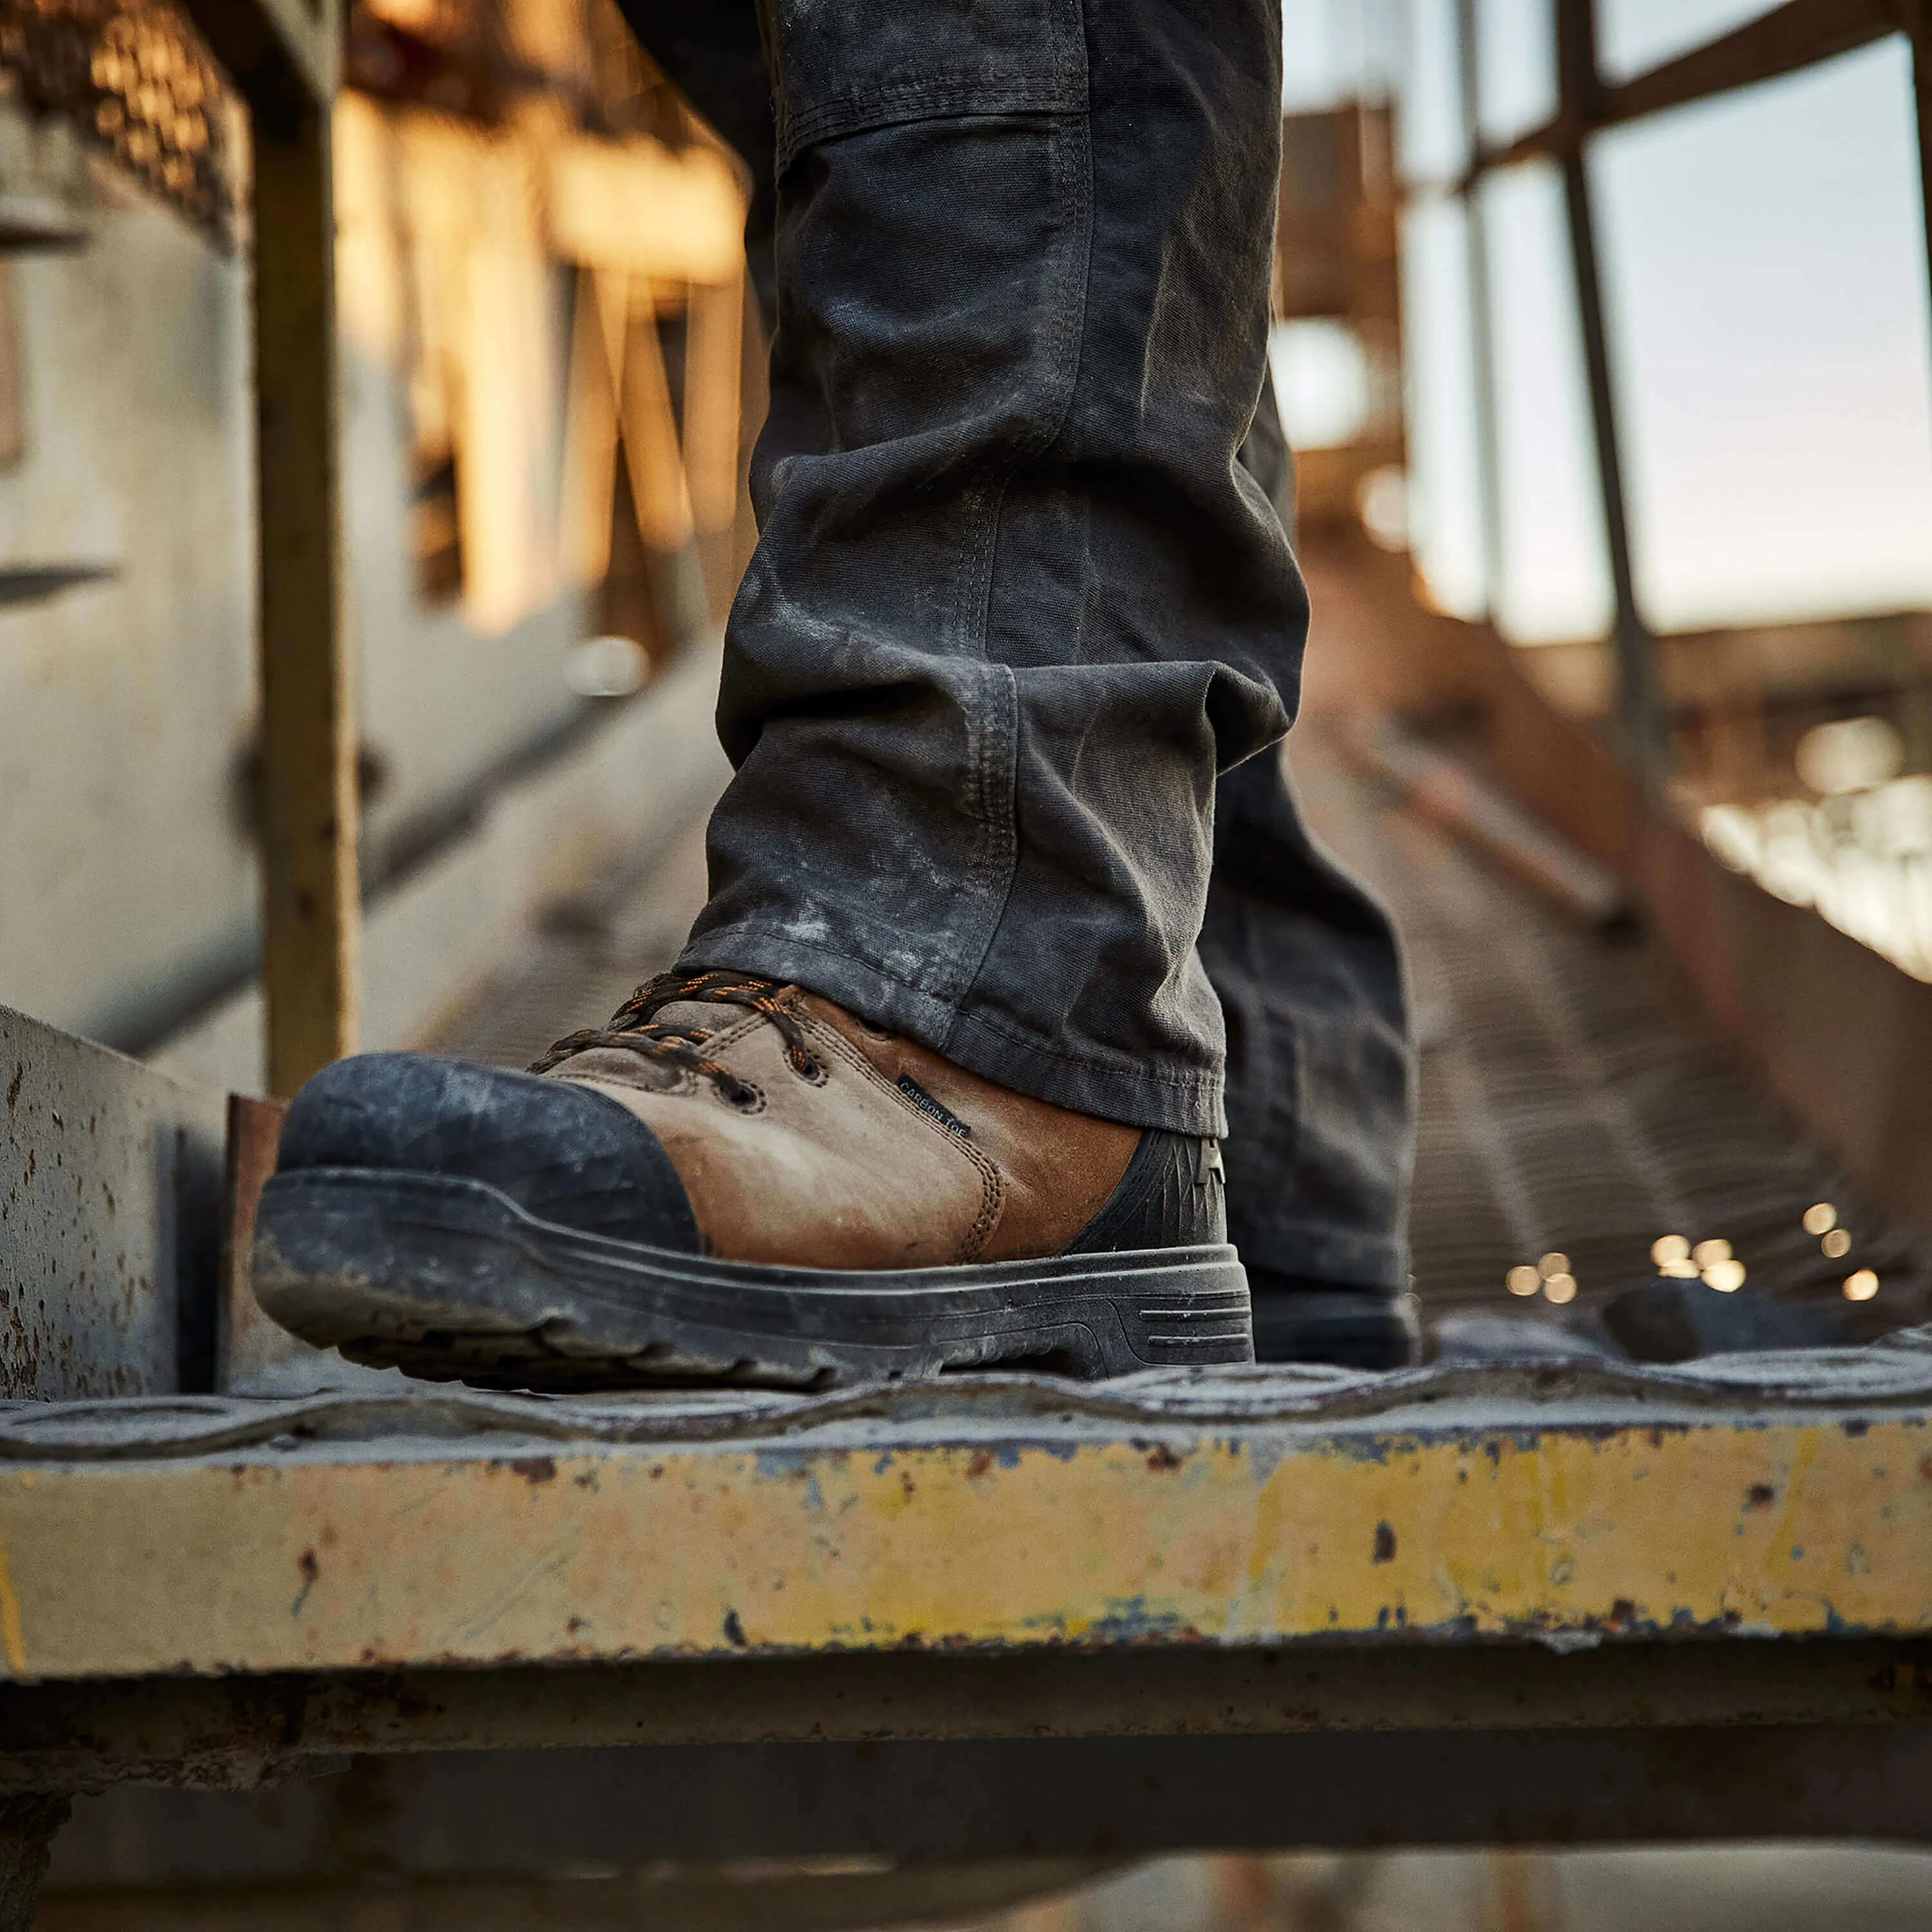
(565, 1153)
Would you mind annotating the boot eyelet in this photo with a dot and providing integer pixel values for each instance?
(812, 1072)
(751, 1100)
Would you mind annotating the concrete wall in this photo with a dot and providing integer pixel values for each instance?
(124, 875)
(127, 880)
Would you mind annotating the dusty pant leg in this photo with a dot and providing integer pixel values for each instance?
(1319, 1075)
(1015, 603)
(1320, 1068)
(1266, 458)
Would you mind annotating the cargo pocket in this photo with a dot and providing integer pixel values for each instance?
(840, 67)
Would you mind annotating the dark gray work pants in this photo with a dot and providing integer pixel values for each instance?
(1005, 681)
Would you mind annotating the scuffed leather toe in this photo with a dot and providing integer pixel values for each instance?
(563, 1151)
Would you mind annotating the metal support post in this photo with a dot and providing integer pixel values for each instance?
(310, 908)
(1915, 16)
(284, 56)
(1638, 699)
(1489, 461)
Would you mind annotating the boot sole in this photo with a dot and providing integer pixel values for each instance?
(446, 1278)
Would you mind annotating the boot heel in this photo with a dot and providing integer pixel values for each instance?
(1184, 1312)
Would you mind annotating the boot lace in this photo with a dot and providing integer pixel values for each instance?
(682, 1045)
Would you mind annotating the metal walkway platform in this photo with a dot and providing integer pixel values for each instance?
(1011, 1616)
(1344, 1578)
(1573, 1095)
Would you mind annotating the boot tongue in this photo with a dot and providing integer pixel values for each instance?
(623, 1068)
(698, 1016)
(615, 1067)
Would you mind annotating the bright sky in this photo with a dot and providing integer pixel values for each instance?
(1764, 261)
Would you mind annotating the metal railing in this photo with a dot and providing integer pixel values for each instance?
(1788, 38)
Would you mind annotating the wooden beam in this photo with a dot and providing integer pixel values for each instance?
(713, 371)
(714, 357)
(1796, 35)
(659, 491)
(310, 900)
(590, 441)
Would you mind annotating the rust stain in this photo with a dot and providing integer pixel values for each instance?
(13, 1636)
(311, 1569)
(999, 1544)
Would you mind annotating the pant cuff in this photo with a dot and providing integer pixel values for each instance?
(1182, 1101)
(1343, 1256)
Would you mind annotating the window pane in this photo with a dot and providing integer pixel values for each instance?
(1515, 66)
(1556, 574)
(1320, 382)
(1434, 148)
(1444, 509)
(1310, 78)
(1634, 34)
(1765, 268)
(1338, 50)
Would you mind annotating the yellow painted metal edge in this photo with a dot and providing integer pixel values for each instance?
(262, 1564)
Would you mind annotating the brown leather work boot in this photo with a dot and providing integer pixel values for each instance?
(735, 1179)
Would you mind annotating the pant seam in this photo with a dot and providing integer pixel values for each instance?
(1068, 339)
(969, 97)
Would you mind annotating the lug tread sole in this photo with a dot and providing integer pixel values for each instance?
(449, 1279)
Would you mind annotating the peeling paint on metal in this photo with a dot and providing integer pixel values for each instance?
(103, 1162)
(12, 1638)
(1258, 1536)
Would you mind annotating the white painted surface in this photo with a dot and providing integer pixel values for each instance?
(127, 880)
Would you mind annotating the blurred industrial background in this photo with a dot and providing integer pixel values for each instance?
(1604, 346)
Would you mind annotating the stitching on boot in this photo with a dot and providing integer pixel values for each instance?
(992, 1189)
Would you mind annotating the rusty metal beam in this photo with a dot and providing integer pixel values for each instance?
(310, 906)
(1917, 18)
(1639, 708)
(353, 1533)
(109, 1195)
(1468, 1603)
(285, 56)
(227, 1730)
(419, 1822)
(1797, 35)
(1482, 327)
